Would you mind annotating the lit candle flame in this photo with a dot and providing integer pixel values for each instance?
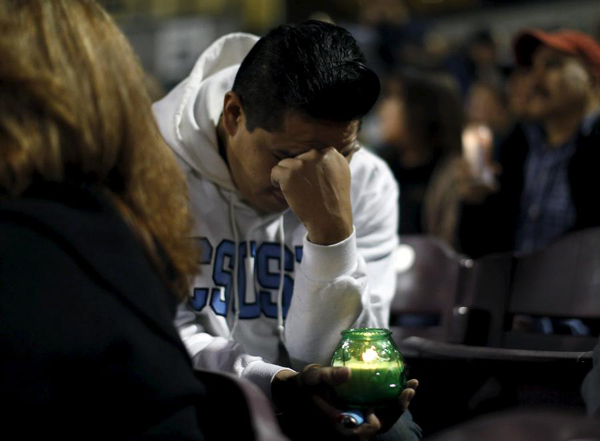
(369, 355)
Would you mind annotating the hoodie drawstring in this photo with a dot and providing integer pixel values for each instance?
(280, 326)
(236, 300)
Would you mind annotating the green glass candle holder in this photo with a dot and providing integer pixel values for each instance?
(377, 368)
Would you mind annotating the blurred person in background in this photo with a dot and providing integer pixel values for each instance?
(94, 226)
(517, 93)
(398, 36)
(486, 104)
(421, 121)
(477, 60)
(297, 224)
(549, 168)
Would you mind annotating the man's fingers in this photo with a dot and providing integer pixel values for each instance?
(413, 383)
(365, 431)
(279, 174)
(332, 376)
(369, 428)
(325, 408)
(405, 397)
(408, 393)
(282, 171)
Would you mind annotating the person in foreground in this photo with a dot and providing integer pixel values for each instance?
(93, 238)
(296, 224)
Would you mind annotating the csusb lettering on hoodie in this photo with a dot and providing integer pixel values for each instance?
(256, 290)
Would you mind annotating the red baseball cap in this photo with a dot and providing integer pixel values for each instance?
(564, 40)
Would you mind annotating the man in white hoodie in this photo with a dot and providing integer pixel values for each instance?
(296, 224)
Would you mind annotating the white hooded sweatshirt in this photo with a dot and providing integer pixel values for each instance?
(291, 317)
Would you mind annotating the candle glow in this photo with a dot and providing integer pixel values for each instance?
(376, 368)
(369, 355)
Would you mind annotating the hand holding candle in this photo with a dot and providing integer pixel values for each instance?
(309, 406)
(377, 368)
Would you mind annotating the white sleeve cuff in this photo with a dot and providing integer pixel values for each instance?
(261, 373)
(327, 262)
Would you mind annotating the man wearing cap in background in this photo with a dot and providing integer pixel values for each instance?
(549, 168)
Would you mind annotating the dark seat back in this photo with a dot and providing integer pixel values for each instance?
(560, 281)
(427, 279)
(525, 425)
(496, 364)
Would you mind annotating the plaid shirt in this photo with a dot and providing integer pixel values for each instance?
(546, 208)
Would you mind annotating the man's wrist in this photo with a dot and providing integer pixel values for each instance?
(329, 235)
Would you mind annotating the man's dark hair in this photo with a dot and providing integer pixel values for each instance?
(313, 68)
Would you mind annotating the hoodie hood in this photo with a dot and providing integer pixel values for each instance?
(189, 114)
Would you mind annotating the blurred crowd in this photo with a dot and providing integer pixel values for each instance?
(487, 149)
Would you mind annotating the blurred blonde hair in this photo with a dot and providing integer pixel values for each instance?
(74, 108)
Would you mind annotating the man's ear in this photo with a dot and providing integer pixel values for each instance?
(233, 113)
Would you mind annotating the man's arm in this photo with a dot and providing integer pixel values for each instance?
(349, 283)
(222, 355)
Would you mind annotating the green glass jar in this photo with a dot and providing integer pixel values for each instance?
(377, 367)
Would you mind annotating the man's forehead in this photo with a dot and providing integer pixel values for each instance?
(305, 128)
